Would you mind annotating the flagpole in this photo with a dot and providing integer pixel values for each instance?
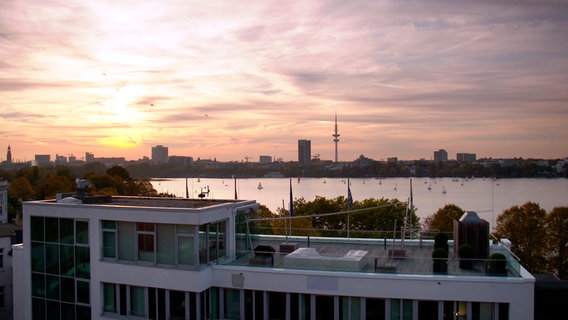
(350, 203)
(291, 207)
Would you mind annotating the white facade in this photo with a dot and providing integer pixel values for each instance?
(216, 281)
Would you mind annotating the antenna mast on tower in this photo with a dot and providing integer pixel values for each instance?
(335, 137)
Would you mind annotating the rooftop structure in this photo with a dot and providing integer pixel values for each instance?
(154, 258)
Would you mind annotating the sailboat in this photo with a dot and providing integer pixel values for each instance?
(444, 189)
(259, 186)
(430, 186)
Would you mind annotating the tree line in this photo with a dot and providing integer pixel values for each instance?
(38, 183)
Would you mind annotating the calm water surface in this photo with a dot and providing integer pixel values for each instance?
(485, 196)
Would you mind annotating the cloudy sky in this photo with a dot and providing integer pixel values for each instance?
(230, 79)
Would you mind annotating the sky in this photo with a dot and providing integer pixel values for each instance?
(230, 80)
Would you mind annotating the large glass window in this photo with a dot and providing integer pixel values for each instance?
(109, 298)
(2, 295)
(375, 308)
(37, 229)
(81, 232)
(232, 304)
(166, 243)
(59, 255)
(52, 230)
(126, 238)
(66, 231)
(186, 244)
(146, 234)
(137, 302)
(177, 305)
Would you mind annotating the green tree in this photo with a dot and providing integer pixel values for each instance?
(119, 171)
(557, 241)
(58, 184)
(525, 227)
(443, 219)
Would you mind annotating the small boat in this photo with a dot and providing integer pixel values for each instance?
(259, 186)
(444, 190)
(324, 181)
(430, 186)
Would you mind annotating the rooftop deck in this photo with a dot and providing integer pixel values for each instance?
(365, 255)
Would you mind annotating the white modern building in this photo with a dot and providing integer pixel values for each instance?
(168, 258)
(8, 235)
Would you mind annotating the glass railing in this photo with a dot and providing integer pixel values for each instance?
(370, 257)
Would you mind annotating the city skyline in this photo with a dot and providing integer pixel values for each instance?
(225, 82)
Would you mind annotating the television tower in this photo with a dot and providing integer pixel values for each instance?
(335, 137)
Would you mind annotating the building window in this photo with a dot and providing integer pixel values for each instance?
(109, 298)
(186, 245)
(81, 232)
(2, 295)
(109, 239)
(137, 302)
(145, 233)
(60, 258)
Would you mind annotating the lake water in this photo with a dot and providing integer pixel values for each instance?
(487, 197)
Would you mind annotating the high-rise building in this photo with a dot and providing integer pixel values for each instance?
(304, 152)
(441, 155)
(42, 159)
(465, 157)
(160, 154)
(103, 257)
(265, 159)
(89, 157)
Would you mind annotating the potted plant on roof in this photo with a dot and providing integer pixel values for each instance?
(465, 252)
(441, 241)
(440, 260)
(497, 264)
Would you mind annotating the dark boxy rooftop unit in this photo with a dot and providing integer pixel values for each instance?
(473, 230)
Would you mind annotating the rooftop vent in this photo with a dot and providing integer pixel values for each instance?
(471, 229)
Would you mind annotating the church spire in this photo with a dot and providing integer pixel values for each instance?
(9, 155)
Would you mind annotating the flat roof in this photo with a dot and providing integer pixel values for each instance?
(412, 258)
(152, 202)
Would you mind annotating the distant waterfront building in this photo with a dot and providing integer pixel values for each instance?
(182, 161)
(304, 151)
(42, 159)
(160, 154)
(3, 201)
(265, 159)
(9, 156)
(441, 155)
(466, 157)
(392, 159)
(72, 159)
(60, 159)
(89, 157)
